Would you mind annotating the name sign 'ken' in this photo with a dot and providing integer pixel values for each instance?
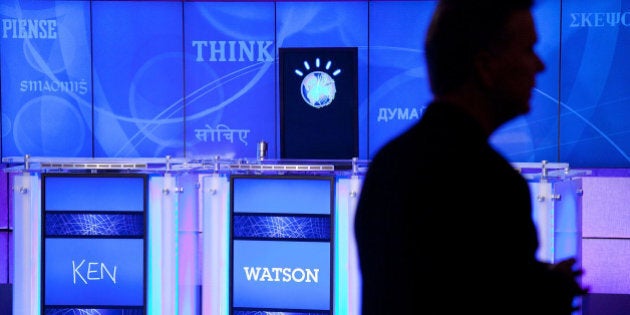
(92, 271)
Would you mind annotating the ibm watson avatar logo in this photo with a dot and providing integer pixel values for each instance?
(318, 87)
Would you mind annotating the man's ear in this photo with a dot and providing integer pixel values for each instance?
(485, 67)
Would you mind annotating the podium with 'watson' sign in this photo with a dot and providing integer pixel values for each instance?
(281, 244)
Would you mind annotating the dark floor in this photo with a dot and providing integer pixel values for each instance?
(6, 295)
(592, 304)
(606, 304)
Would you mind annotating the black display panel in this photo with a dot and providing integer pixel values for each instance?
(318, 100)
(281, 244)
(94, 244)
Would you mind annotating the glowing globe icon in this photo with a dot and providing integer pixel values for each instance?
(318, 89)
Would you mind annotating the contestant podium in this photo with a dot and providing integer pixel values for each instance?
(244, 237)
(93, 242)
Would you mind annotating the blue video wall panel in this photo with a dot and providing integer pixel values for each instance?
(138, 79)
(534, 137)
(398, 84)
(281, 245)
(595, 97)
(230, 73)
(46, 85)
(94, 244)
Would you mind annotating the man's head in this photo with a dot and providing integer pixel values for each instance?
(489, 43)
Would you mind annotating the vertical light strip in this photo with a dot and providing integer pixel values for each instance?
(27, 249)
(216, 231)
(36, 237)
(169, 242)
(154, 237)
(341, 246)
(354, 277)
(542, 204)
(567, 233)
(347, 286)
(188, 243)
(567, 216)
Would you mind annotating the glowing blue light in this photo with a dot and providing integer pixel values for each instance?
(318, 88)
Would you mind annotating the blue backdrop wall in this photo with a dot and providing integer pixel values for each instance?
(199, 79)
